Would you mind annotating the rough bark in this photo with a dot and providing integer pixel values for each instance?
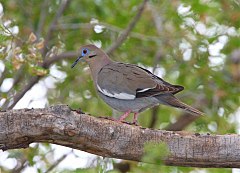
(61, 125)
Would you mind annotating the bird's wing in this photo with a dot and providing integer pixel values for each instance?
(127, 82)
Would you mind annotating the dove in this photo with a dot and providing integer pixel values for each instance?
(129, 88)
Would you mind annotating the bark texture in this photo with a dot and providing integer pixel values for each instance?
(61, 125)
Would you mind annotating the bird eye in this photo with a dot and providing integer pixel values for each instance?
(84, 52)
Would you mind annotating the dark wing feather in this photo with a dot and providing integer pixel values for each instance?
(159, 89)
(162, 87)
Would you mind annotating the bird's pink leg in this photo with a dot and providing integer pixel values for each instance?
(135, 116)
(123, 116)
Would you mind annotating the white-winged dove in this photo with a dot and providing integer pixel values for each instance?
(129, 88)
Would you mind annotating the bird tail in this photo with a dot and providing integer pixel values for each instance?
(171, 100)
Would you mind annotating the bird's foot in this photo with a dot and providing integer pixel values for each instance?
(124, 116)
(133, 123)
(129, 123)
(79, 111)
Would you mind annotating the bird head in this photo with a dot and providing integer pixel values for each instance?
(87, 53)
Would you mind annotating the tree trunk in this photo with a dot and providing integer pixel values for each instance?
(61, 125)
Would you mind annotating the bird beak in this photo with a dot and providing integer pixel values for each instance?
(73, 65)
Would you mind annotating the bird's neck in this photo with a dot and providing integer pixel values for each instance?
(96, 66)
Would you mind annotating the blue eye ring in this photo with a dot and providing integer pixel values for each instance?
(85, 52)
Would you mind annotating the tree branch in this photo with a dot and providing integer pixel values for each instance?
(183, 121)
(17, 78)
(62, 7)
(46, 64)
(57, 162)
(63, 126)
(3, 75)
(48, 61)
(51, 60)
(42, 18)
(126, 32)
(19, 95)
(76, 26)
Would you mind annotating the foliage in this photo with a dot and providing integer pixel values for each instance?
(191, 43)
(155, 153)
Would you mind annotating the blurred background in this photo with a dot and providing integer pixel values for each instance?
(191, 43)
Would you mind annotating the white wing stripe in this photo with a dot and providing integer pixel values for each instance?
(143, 90)
(123, 96)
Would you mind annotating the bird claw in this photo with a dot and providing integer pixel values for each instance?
(135, 123)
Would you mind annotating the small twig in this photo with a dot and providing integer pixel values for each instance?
(74, 26)
(235, 61)
(126, 32)
(155, 111)
(3, 76)
(186, 119)
(55, 58)
(7, 31)
(157, 58)
(183, 121)
(18, 75)
(156, 18)
(19, 95)
(60, 11)
(55, 164)
(46, 64)
(16, 79)
(42, 18)
(23, 164)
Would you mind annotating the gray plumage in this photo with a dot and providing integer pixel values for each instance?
(129, 88)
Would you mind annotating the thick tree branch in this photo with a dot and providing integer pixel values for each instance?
(63, 126)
